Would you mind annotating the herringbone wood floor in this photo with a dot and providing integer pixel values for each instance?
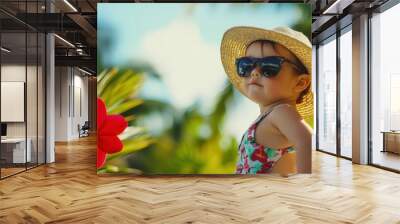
(69, 191)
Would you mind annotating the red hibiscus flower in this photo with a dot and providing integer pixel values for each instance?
(108, 129)
(259, 155)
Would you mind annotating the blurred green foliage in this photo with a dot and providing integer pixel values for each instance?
(194, 144)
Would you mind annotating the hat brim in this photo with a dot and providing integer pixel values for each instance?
(235, 42)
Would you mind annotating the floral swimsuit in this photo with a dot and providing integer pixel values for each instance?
(255, 158)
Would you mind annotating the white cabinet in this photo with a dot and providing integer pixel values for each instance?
(19, 155)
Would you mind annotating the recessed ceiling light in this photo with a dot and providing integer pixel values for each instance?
(337, 7)
(70, 5)
(331, 7)
(5, 50)
(65, 41)
(84, 71)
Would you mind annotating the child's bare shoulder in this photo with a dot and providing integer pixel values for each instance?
(284, 113)
(282, 117)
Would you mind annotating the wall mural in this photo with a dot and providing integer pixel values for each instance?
(174, 98)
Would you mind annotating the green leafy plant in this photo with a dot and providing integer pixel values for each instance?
(118, 89)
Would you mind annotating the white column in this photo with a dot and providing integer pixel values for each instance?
(360, 90)
(50, 93)
(314, 90)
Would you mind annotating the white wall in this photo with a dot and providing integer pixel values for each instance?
(12, 73)
(16, 73)
(33, 127)
(61, 103)
(80, 100)
(70, 83)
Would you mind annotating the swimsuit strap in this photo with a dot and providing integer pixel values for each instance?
(265, 114)
(252, 129)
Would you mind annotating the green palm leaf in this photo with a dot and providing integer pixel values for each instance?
(118, 89)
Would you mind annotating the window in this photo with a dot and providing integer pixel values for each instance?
(346, 93)
(385, 89)
(22, 101)
(326, 101)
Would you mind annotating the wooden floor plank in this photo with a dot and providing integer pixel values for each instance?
(69, 191)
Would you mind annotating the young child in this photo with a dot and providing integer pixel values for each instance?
(273, 69)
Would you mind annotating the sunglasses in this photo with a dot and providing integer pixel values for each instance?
(269, 66)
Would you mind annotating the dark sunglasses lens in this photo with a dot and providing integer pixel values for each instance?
(244, 66)
(270, 66)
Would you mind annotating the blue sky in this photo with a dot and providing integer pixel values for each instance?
(130, 22)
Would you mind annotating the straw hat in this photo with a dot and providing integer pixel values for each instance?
(236, 40)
